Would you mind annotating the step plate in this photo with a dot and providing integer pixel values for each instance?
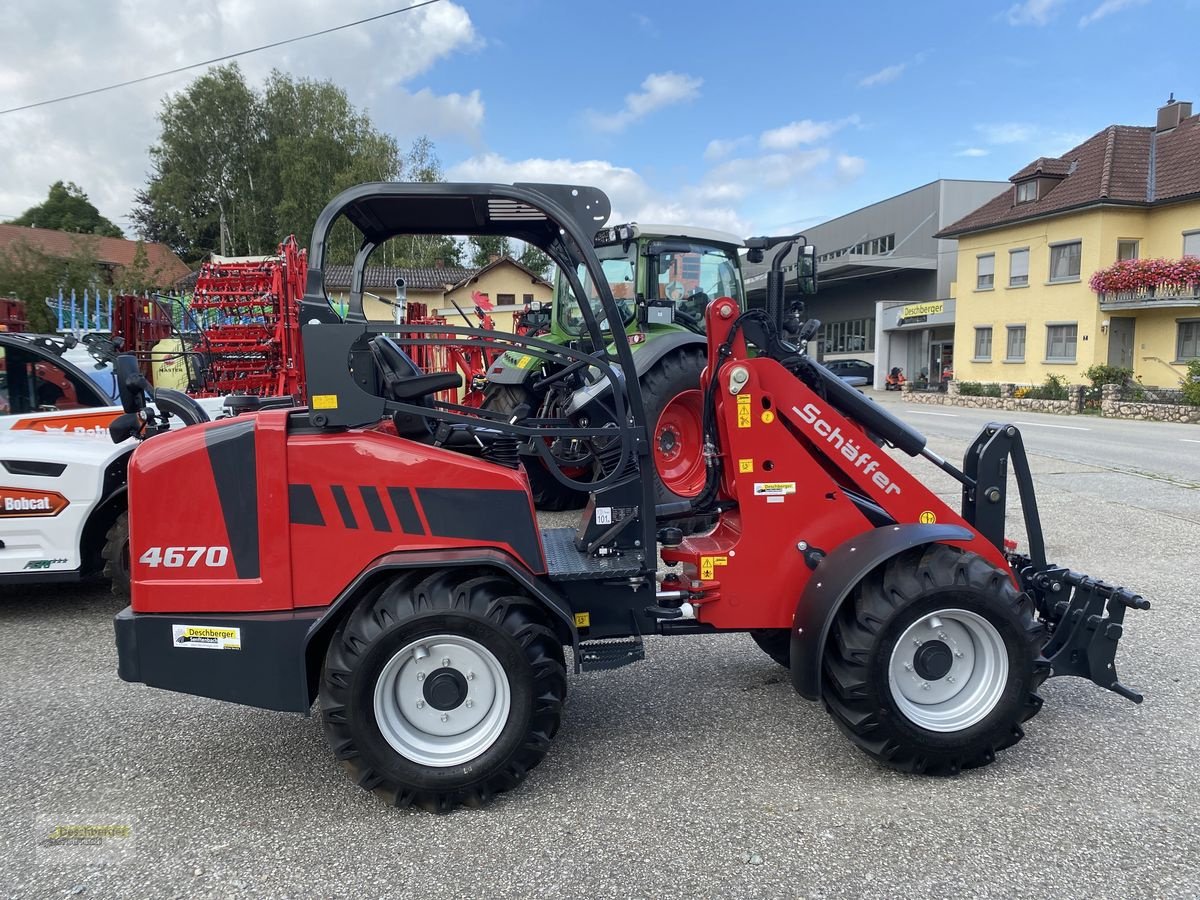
(597, 655)
(565, 563)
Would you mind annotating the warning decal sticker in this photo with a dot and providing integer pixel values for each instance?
(707, 564)
(743, 408)
(206, 637)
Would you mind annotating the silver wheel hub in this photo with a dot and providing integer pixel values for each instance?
(442, 700)
(948, 670)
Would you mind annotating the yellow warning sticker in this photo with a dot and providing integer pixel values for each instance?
(583, 620)
(527, 362)
(324, 401)
(743, 406)
(768, 417)
(745, 465)
(928, 517)
(708, 564)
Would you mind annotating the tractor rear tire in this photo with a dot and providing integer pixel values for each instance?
(931, 664)
(116, 555)
(548, 492)
(776, 643)
(443, 690)
(671, 398)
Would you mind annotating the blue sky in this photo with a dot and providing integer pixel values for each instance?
(758, 116)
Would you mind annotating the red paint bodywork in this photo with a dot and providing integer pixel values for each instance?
(173, 501)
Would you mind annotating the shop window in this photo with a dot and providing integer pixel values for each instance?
(851, 336)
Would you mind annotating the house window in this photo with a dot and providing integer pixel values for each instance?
(852, 336)
(1026, 191)
(1064, 261)
(1191, 244)
(1018, 268)
(1127, 249)
(527, 298)
(1060, 342)
(1016, 343)
(985, 272)
(506, 299)
(983, 343)
(1187, 344)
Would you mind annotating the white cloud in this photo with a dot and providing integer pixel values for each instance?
(806, 131)
(1107, 8)
(1041, 140)
(50, 54)
(973, 151)
(850, 167)
(658, 90)
(1006, 132)
(719, 148)
(1032, 12)
(883, 76)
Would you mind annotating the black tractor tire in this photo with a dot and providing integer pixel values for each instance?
(519, 656)
(776, 643)
(669, 377)
(906, 602)
(548, 492)
(116, 555)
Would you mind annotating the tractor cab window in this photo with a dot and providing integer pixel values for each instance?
(692, 278)
(32, 383)
(620, 272)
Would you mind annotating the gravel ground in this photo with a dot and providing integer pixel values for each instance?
(697, 772)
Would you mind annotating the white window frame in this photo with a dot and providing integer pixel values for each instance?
(1022, 186)
(1194, 236)
(980, 274)
(1012, 279)
(979, 332)
(1192, 325)
(1059, 245)
(1137, 248)
(1050, 342)
(1009, 329)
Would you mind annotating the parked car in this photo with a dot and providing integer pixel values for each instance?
(852, 368)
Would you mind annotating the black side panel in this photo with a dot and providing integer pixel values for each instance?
(484, 515)
(268, 671)
(302, 505)
(406, 510)
(834, 579)
(370, 497)
(231, 453)
(343, 505)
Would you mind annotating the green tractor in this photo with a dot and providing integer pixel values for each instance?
(662, 278)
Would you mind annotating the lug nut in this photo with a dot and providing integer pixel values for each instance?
(958, 653)
(942, 635)
(420, 704)
(908, 667)
(445, 717)
(924, 685)
(420, 676)
(469, 704)
(445, 661)
(470, 676)
(950, 678)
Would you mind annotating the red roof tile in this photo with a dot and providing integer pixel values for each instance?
(112, 251)
(1112, 166)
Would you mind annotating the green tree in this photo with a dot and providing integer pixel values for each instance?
(67, 208)
(485, 247)
(421, 163)
(535, 260)
(239, 169)
(30, 275)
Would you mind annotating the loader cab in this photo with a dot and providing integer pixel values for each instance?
(662, 277)
(36, 377)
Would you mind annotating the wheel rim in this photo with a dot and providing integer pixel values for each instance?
(442, 700)
(678, 444)
(948, 670)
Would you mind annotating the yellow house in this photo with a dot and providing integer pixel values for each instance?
(506, 283)
(1025, 308)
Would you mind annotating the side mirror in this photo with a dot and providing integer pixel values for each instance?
(131, 384)
(123, 427)
(806, 270)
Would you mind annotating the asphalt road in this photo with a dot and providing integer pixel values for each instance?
(696, 773)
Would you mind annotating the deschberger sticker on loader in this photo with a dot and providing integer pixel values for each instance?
(206, 637)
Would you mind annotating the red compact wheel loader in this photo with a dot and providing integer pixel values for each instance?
(399, 576)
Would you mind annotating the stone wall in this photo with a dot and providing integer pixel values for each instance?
(1071, 406)
(1111, 404)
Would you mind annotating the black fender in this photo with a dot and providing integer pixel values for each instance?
(114, 500)
(316, 641)
(833, 580)
(644, 360)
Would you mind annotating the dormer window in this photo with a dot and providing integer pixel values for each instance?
(1027, 191)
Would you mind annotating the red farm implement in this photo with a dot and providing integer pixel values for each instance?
(247, 312)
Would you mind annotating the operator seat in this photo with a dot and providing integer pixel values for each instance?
(404, 381)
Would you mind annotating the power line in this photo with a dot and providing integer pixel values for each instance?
(216, 59)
